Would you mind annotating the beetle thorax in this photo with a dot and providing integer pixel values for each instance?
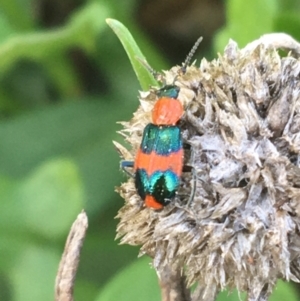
(167, 111)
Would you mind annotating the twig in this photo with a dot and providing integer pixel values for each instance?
(173, 285)
(69, 262)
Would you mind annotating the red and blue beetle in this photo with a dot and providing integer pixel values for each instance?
(158, 163)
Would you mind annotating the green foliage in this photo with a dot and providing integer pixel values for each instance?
(288, 21)
(247, 21)
(80, 31)
(34, 210)
(56, 127)
(144, 76)
(284, 291)
(33, 273)
(136, 282)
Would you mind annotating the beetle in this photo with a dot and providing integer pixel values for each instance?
(158, 164)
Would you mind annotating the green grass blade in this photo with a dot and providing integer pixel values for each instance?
(133, 51)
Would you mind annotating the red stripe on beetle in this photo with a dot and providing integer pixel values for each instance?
(153, 162)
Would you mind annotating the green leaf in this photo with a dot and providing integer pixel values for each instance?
(247, 21)
(44, 203)
(33, 274)
(85, 289)
(81, 31)
(86, 24)
(11, 213)
(79, 130)
(51, 197)
(102, 235)
(61, 130)
(11, 243)
(288, 22)
(136, 282)
(19, 14)
(6, 31)
(133, 51)
(284, 291)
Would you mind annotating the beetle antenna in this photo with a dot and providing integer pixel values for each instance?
(156, 75)
(190, 55)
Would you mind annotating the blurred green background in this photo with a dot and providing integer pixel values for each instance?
(65, 81)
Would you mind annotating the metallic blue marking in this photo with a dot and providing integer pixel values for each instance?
(168, 91)
(163, 140)
(162, 185)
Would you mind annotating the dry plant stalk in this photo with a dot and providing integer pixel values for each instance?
(242, 229)
(68, 265)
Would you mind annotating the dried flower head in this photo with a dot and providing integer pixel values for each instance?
(242, 118)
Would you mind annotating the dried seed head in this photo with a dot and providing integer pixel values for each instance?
(242, 118)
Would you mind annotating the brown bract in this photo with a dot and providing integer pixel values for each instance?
(242, 118)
